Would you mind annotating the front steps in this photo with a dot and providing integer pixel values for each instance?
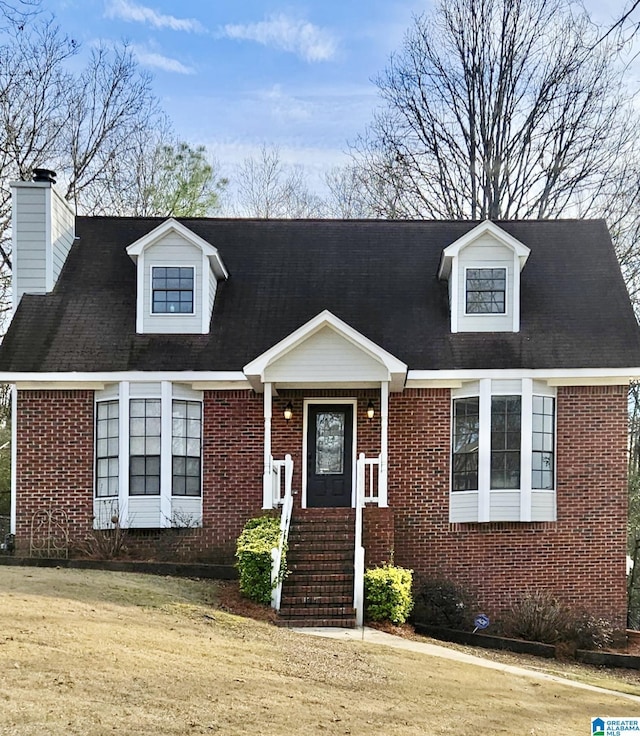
(318, 591)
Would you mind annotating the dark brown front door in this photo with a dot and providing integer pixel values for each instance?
(329, 455)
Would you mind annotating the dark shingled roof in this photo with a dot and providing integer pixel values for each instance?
(378, 276)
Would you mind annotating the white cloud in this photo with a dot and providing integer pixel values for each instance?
(295, 36)
(154, 60)
(130, 11)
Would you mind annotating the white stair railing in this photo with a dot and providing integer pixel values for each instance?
(282, 471)
(358, 557)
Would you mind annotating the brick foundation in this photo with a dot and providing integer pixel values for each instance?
(580, 557)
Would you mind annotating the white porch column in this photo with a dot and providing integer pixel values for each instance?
(267, 481)
(384, 443)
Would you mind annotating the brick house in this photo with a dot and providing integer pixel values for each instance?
(465, 383)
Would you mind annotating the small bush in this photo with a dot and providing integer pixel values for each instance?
(253, 554)
(387, 593)
(441, 602)
(591, 632)
(538, 616)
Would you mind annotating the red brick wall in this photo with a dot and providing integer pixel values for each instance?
(233, 453)
(581, 557)
(54, 460)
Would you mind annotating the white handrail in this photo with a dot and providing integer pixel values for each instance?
(358, 556)
(277, 553)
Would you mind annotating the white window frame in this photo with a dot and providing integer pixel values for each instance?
(486, 389)
(194, 309)
(478, 267)
(169, 504)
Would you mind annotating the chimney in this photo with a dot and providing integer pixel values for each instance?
(42, 225)
(44, 175)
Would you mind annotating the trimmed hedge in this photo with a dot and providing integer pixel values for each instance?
(253, 553)
(387, 594)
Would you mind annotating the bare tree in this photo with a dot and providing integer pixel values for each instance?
(265, 187)
(347, 198)
(92, 127)
(500, 109)
(109, 107)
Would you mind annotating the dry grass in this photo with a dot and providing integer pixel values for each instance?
(95, 653)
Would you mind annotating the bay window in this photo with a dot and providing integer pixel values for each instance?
(503, 452)
(148, 455)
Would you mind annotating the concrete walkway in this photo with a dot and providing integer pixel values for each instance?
(373, 636)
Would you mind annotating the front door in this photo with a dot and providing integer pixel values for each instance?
(329, 455)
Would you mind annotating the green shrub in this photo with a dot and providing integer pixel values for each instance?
(441, 602)
(253, 553)
(387, 594)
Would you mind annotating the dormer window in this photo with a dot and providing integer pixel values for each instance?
(177, 279)
(172, 290)
(483, 269)
(486, 290)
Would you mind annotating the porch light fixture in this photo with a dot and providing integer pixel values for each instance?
(288, 411)
(370, 409)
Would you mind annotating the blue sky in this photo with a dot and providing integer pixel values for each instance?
(233, 74)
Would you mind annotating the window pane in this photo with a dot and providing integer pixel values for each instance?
(192, 467)
(194, 410)
(543, 441)
(465, 444)
(186, 448)
(193, 448)
(485, 290)
(179, 409)
(329, 443)
(193, 486)
(137, 465)
(179, 446)
(152, 446)
(137, 427)
(505, 442)
(136, 408)
(136, 446)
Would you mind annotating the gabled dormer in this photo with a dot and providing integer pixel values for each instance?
(177, 278)
(483, 270)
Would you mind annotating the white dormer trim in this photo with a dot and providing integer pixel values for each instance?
(450, 269)
(396, 370)
(212, 266)
(170, 225)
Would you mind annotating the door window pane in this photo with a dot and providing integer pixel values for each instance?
(330, 428)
